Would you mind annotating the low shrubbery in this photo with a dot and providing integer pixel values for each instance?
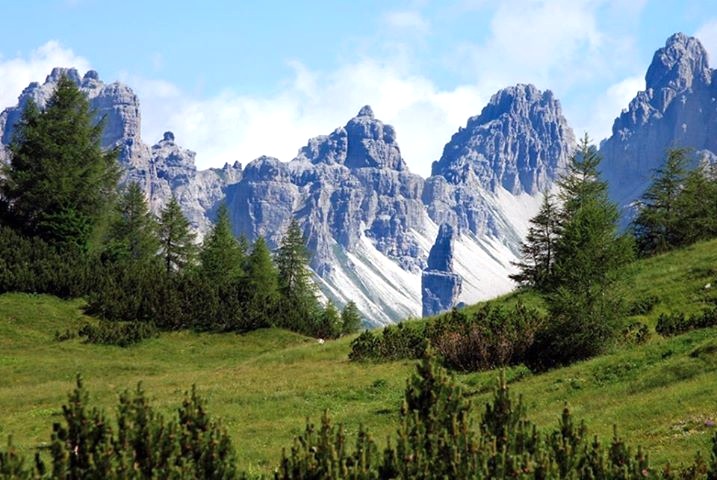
(488, 338)
(436, 439)
(669, 324)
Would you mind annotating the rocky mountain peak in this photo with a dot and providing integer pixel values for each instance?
(518, 142)
(680, 63)
(366, 111)
(364, 142)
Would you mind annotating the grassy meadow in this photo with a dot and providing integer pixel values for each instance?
(662, 395)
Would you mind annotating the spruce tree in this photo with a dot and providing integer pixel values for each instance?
(329, 325)
(132, 233)
(299, 306)
(222, 255)
(657, 226)
(59, 183)
(589, 254)
(176, 239)
(262, 287)
(350, 319)
(536, 264)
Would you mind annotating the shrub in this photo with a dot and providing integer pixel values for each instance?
(491, 337)
(676, 323)
(122, 334)
(402, 341)
(636, 333)
(367, 346)
(643, 306)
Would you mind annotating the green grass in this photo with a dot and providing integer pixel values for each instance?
(264, 384)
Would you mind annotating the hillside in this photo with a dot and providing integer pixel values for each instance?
(264, 384)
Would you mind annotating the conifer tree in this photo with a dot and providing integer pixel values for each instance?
(176, 239)
(329, 323)
(589, 254)
(132, 233)
(657, 223)
(350, 319)
(536, 264)
(696, 205)
(299, 306)
(222, 255)
(262, 287)
(59, 183)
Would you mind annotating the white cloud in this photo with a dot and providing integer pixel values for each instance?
(231, 126)
(707, 34)
(406, 20)
(608, 106)
(16, 73)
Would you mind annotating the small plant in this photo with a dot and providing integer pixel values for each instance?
(636, 333)
(121, 334)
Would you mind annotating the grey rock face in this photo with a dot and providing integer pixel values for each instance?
(340, 187)
(678, 108)
(440, 286)
(162, 170)
(518, 144)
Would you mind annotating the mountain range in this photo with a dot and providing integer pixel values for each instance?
(395, 243)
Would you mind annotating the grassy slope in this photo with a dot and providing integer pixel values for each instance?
(264, 384)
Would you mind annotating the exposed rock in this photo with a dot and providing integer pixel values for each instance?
(517, 145)
(160, 171)
(678, 108)
(440, 286)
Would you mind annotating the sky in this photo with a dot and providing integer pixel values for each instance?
(238, 79)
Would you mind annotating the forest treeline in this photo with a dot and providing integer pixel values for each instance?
(68, 229)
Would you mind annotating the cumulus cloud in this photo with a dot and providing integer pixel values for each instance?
(231, 126)
(707, 34)
(406, 20)
(16, 73)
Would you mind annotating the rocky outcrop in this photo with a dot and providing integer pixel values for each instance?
(440, 286)
(517, 145)
(162, 170)
(678, 108)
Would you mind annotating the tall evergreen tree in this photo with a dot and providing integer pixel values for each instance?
(299, 306)
(132, 233)
(536, 264)
(59, 183)
(222, 255)
(262, 287)
(657, 223)
(176, 239)
(350, 319)
(696, 206)
(589, 254)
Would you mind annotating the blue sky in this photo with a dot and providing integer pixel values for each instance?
(237, 79)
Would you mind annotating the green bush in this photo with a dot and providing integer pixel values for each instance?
(367, 346)
(122, 334)
(436, 439)
(140, 444)
(642, 306)
(636, 333)
(491, 337)
(676, 323)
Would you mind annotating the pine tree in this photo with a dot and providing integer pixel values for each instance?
(176, 239)
(132, 233)
(222, 256)
(589, 254)
(536, 264)
(581, 182)
(262, 287)
(350, 319)
(329, 322)
(657, 223)
(59, 184)
(299, 306)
